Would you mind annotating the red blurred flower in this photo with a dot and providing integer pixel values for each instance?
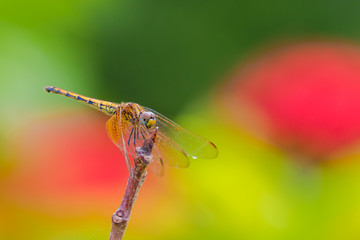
(66, 162)
(305, 96)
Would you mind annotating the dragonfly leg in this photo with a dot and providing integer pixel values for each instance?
(142, 134)
(131, 142)
(136, 130)
(132, 131)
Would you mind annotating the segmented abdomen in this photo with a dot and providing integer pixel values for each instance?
(104, 106)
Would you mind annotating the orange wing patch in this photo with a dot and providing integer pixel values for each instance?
(113, 127)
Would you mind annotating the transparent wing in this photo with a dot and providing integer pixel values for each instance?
(123, 133)
(128, 137)
(176, 144)
(171, 153)
(156, 166)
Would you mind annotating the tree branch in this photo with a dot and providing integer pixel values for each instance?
(137, 177)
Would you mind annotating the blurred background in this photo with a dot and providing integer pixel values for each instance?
(275, 85)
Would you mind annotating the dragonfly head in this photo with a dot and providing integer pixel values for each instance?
(147, 119)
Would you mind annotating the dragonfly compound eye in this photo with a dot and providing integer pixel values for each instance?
(148, 119)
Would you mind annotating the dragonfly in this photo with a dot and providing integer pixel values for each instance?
(130, 124)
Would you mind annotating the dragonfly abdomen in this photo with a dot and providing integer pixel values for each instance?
(104, 106)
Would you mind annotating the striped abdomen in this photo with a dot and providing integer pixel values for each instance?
(104, 106)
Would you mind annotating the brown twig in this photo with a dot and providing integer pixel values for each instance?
(137, 177)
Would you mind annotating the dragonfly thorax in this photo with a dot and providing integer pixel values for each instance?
(148, 119)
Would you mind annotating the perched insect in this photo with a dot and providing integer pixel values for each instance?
(130, 124)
